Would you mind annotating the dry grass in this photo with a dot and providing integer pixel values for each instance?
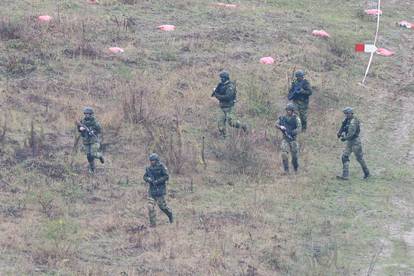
(235, 214)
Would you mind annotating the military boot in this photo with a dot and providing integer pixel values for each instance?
(92, 167)
(152, 218)
(366, 172)
(344, 176)
(364, 167)
(286, 166)
(222, 133)
(101, 159)
(345, 169)
(170, 217)
(295, 164)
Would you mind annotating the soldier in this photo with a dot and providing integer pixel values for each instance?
(90, 130)
(299, 94)
(349, 133)
(156, 175)
(226, 92)
(291, 126)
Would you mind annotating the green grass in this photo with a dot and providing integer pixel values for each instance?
(230, 223)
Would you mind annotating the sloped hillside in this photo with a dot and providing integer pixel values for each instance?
(236, 214)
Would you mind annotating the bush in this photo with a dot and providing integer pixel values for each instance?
(59, 239)
(241, 155)
(9, 30)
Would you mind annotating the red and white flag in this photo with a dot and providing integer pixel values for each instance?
(366, 48)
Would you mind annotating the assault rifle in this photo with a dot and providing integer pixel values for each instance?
(284, 131)
(343, 129)
(235, 92)
(294, 90)
(89, 131)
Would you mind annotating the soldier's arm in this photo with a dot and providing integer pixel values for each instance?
(298, 128)
(146, 177)
(229, 95)
(351, 130)
(97, 128)
(306, 89)
(164, 175)
(292, 87)
(79, 125)
(279, 123)
(341, 130)
(214, 91)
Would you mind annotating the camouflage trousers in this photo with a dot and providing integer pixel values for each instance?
(227, 117)
(355, 147)
(160, 201)
(92, 152)
(302, 109)
(291, 147)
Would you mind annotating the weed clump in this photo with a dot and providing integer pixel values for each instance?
(58, 239)
(9, 30)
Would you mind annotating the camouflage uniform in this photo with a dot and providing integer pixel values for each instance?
(299, 94)
(349, 133)
(226, 92)
(91, 141)
(156, 175)
(293, 127)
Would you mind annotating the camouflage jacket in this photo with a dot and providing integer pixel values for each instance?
(156, 176)
(350, 129)
(300, 91)
(95, 130)
(292, 124)
(226, 93)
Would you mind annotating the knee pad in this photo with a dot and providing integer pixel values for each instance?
(345, 158)
(89, 157)
(360, 160)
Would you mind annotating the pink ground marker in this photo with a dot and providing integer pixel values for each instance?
(45, 18)
(267, 60)
(166, 28)
(320, 33)
(116, 50)
(225, 5)
(384, 52)
(373, 12)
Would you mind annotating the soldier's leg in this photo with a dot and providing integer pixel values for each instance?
(151, 211)
(357, 149)
(345, 162)
(222, 121)
(284, 149)
(303, 115)
(89, 156)
(294, 150)
(96, 152)
(234, 122)
(163, 206)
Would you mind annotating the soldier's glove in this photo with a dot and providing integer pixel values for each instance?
(282, 127)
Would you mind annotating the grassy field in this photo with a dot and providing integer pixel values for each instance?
(236, 214)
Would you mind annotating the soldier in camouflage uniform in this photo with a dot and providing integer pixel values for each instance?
(90, 131)
(349, 133)
(299, 94)
(225, 93)
(291, 126)
(156, 175)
